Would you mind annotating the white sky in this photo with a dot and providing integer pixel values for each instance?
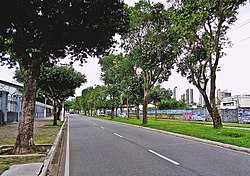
(235, 67)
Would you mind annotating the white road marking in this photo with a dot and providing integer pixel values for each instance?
(66, 171)
(101, 127)
(94, 124)
(163, 157)
(118, 135)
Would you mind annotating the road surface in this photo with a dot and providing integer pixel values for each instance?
(106, 148)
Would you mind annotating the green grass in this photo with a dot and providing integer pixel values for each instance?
(224, 124)
(236, 137)
(6, 167)
(44, 133)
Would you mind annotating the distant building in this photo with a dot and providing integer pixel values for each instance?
(175, 93)
(183, 97)
(222, 94)
(201, 101)
(10, 103)
(189, 96)
(236, 109)
(237, 101)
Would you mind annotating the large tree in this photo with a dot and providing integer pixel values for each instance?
(36, 32)
(111, 77)
(58, 83)
(202, 27)
(150, 43)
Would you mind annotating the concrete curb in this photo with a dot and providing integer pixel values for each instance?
(51, 154)
(27, 155)
(7, 146)
(218, 144)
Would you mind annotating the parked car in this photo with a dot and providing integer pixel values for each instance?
(100, 114)
(122, 114)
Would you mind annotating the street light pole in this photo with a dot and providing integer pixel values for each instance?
(44, 111)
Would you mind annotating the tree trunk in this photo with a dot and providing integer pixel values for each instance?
(127, 115)
(217, 123)
(116, 111)
(137, 111)
(145, 107)
(59, 110)
(112, 112)
(55, 113)
(213, 111)
(155, 111)
(58, 114)
(25, 137)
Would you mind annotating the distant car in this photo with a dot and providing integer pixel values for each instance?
(101, 114)
(122, 115)
(71, 112)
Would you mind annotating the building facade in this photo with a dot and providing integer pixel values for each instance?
(236, 108)
(10, 103)
(189, 96)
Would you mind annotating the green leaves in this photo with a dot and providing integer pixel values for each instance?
(60, 82)
(150, 40)
(49, 30)
(201, 27)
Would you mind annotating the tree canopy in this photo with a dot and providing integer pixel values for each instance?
(150, 42)
(35, 33)
(202, 27)
(42, 31)
(59, 83)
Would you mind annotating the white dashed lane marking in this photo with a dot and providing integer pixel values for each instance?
(163, 157)
(118, 135)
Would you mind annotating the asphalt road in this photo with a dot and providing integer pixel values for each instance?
(98, 147)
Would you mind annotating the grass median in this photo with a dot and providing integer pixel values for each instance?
(238, 137)
(44, 133)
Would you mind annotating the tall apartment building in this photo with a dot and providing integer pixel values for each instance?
(189, 96)
(175, 93)
(183, 97)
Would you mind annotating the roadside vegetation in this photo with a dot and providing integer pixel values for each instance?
(44, 133)
(238, 137)
(152, 37)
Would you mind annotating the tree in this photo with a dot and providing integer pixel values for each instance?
(172, 104)
(202, 27)
(84, 100)
(59, 83)
(42, 32)
(150, 43)
(136, 96)
(157, 94)
(110, 76)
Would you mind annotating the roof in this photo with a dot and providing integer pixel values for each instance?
(11, 84)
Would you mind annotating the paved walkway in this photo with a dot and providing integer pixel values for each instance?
(232, 127)
(32, 169)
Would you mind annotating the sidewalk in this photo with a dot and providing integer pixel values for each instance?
(32, 169)
(232, 127)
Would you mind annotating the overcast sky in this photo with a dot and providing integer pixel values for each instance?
(235, 67)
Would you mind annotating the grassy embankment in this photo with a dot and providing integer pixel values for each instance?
(238, 137)
(44, 133)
